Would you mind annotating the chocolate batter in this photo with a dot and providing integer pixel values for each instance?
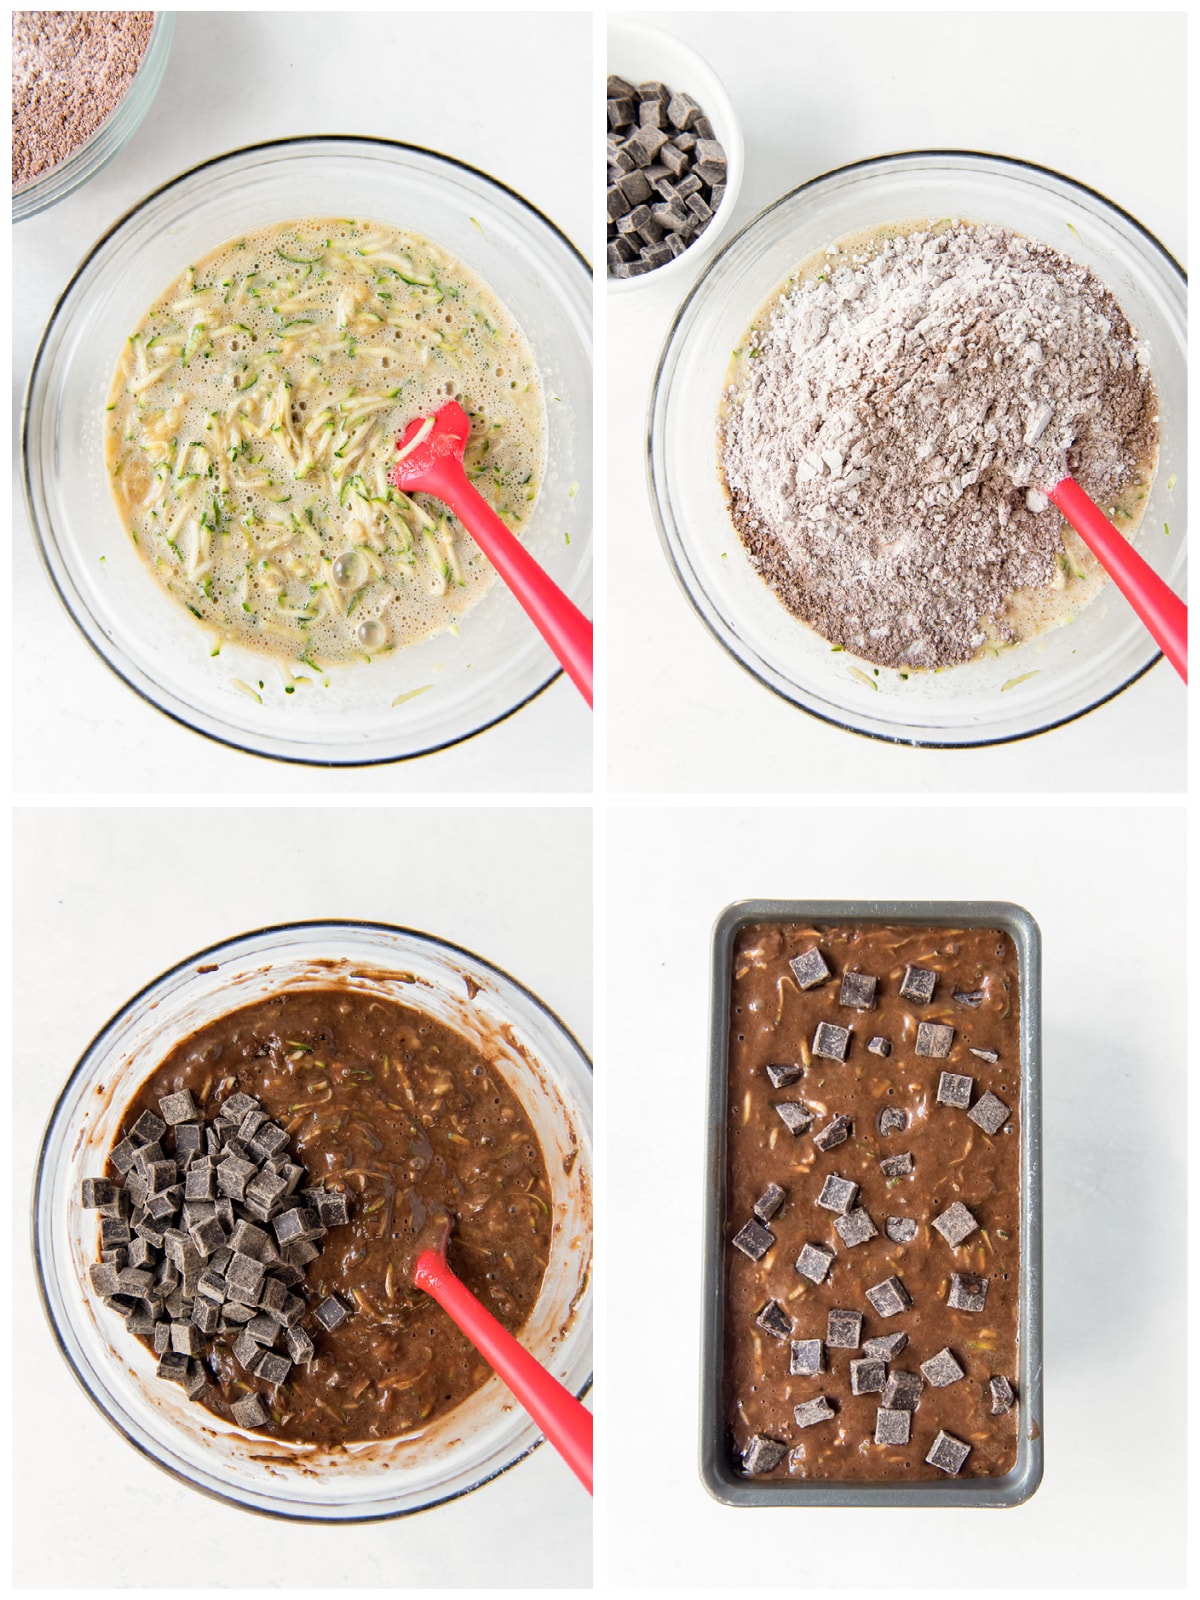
(406, 1116)
(773, 1022)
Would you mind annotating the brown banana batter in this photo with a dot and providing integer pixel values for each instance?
(774, 1022)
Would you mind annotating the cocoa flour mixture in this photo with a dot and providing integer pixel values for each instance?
(70, 70)
(893, 418)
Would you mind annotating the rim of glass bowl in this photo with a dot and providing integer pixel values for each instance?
(110, 138)
(669, 538)
(44, 538)
(239, 946)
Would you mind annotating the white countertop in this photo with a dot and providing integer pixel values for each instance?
(99, 918)
(475, 87)
(816, 90)
(1106, 887)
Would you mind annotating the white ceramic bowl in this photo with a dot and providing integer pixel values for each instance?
(1035, 686)
(641, 54)
(543, 1065)
(441, 689)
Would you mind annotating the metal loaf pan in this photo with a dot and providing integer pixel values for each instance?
(717, 1472)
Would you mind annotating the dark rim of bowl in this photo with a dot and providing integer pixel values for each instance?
(664, 540)
(336, 923)
(178, 717)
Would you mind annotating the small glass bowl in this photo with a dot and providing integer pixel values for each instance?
(113, 134)
(545, 1067)
(433, 693)
(1076, 667)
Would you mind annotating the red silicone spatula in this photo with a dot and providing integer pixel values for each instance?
(566, 1424)
(1159, 607)
(429, 460)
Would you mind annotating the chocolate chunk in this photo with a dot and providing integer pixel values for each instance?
(622, 111)
(889, 1297)
(968, 1291)
(879, 1046)
(114, 1231)
(246, 1349)
(651, 114)
(986, 1055)
(208, 1236)
(807, 1358)
(714, 200)
(331, 1313)
(266, 1188)
(753, 1240)
(186, 1336)
(1003, 1398)
(268, 1141)
(918, 985)
(892, 1120)
(172, 1366)
(867, 1376)
(657, 254)
(123, 1155)
(855, 1227)
(831, 1041)
(942, 1369)
(837, 1194)
(201, 1181)
(813, 1411)
(781, 1073)
(244, 1273)
(162, 1337)
(897, 1166)
(645, 144)
(620, 161)
(619, 89)
(885, 1345)
(654, 91)
(769, 1202)
(844, 1329)
(272, 1367)
(833, 1133)
(274, 1295)
(685, 142)
(296, 1226)
(702, 128)
(103, 1278)
(762, 1455)
(148, 1129)
(249, 1411)
(974, 998)
(809, 968)
(900, 1230)
(248, 1240)
(179, 1107)
(685, 188)
(236, 1106)
(933, 1039)
(233, 1174)
(676, 243)
(954, 1089)
(948, 1453)
(858, 991)
(955, 1223)
(189, 1141)
(635, 187)
(616, 205)
(773, 1319)
(902, 1392)
(97, 1192)
(300, 1347)
(892, 1426)
(682, 111)
(797, 1118)
(620, 250)
(206, 1314)
(989, 1113)
(814, 1262)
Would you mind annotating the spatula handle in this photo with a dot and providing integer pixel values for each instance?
(559, 621)
(1159, 607)
(566, 1423)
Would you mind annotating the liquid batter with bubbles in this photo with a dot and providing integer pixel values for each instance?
(251, 428)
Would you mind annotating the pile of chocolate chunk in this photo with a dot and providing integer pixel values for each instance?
(666, 176)
(204, 1234)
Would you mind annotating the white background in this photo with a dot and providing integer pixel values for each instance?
(234, 80)
(1101, 99)
(105, 901)
(1107, 889)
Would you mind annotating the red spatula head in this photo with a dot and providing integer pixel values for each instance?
(427, 441)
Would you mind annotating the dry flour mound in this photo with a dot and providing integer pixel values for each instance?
(884, 452)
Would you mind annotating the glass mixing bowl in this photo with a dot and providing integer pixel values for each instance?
(543, 1064)
(1076, 667)
(435, 692)
(110, 138)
